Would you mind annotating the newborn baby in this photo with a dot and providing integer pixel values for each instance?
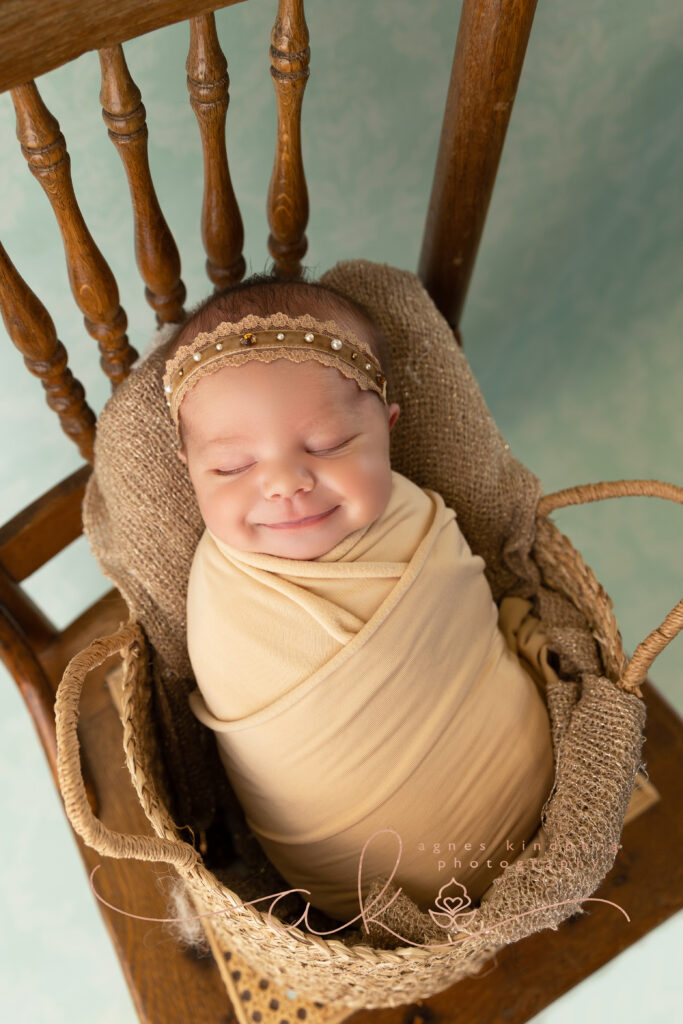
(343, 637)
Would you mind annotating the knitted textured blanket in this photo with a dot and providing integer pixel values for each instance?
(371, 692)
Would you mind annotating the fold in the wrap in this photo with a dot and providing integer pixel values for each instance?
(369, 689)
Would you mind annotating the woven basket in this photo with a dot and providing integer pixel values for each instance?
(597, 720)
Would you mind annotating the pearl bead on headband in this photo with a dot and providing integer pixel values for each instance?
(266, 339)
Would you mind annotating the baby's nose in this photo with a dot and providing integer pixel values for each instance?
(286, 480)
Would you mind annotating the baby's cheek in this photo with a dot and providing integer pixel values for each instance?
(382, 492)
(376, 469)
(366, 493)
(213, 507)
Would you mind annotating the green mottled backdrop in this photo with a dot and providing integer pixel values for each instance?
(573, 326)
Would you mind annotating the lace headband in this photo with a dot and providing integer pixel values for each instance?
(266, 339)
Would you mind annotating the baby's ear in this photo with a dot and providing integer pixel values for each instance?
(394, 410)
(181, 455)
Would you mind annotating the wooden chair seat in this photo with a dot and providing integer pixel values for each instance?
(167, 984)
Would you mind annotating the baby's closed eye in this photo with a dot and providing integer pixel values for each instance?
(230, 472)
(332, 448)
(318, 451)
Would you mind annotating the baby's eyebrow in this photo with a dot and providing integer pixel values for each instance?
(225, 440)
(341, 422)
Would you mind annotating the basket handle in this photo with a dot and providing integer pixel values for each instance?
(646, 652)
(128, 638)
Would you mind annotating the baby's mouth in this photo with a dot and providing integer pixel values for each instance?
(308, 521)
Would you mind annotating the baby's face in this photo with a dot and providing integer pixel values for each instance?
(268, 445)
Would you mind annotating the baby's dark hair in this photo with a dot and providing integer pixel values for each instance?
(264, 295)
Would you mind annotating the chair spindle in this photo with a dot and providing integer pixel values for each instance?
(21, 662)
(209, 84)
(92, 282)
(489, 53)
(156, 253)
(288, 194)
(32, 331)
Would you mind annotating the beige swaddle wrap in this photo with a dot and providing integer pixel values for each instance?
(371, 689)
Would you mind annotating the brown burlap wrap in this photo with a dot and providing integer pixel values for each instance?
(143, 524)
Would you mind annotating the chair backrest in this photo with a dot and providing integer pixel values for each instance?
(489, 53)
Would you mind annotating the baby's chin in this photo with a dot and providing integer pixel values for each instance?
(292, 551)
(303, 543)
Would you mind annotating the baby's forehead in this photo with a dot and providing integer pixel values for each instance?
(295, 394)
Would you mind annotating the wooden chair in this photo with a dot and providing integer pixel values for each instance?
(168, 985)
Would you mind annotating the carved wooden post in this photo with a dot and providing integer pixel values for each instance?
(156, 253)
(30, 327)
(22, 663)
(489, 52)
(287, 194)
(91, 279)
(208, 84)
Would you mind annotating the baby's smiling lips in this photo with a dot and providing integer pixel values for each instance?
(309, 520)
